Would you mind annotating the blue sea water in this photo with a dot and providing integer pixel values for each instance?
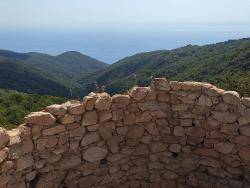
(111, 43)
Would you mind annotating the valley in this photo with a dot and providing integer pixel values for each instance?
(32, 79)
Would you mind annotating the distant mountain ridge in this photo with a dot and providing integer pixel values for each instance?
(72, 74)
(225, 64)
(34, 72)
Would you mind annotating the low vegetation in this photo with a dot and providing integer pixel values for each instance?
(15, 105)
(45, 74)
(226, 65)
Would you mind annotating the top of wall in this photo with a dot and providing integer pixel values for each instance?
(190, 125)
(47, 117)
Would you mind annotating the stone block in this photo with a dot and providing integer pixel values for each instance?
(103, 102)
(161, 84)
(40, 118)
(56, 109)
(53, 130)
(94, 154)
(121, 101)
(89, 118)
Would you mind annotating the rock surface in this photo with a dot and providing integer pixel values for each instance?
(103, 102)
(40, 118)
(89, 118)
(171, 134)
(56, 109)
(95, 154)
(4, 138)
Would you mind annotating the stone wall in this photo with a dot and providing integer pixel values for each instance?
(171, 134)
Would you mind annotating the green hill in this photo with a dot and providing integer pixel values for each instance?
(225, 64)
(14, 75)
(15, 105)
(72, 74)
(45, 74)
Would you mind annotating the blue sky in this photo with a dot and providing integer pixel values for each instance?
(75, 13)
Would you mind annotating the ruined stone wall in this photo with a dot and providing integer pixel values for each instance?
(171, 134)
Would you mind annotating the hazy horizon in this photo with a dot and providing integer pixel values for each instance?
(75, 13)
(113, 29)
(109, 43)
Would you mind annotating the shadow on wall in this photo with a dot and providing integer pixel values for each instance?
(170, 134)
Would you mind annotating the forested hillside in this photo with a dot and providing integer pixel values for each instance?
(72, 74)
(225, 64)
(15, 105)
(14, 75)
(45, 74)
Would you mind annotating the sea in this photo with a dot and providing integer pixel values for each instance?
(112, 42)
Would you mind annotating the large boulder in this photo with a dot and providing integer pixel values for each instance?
(4, 179)
(104, 116)
(175, 148)
(206, 152)
(231, 97)
(68, 162)
(24, 163)
(54, 130)
(67, 119)
(225, 117)
(213, 91)
(224, 148)
(135, 132)
(89, 102)
(139, 93)
(161, 84)
(90, 138)
(175, 85)
(121, 100)
(205, 101)
(94, 154)
(103, 102)
(178, 131)
(244, 153)
(245, 130)
(156, 147)
(244, 119)
(195, 131)
(40, 118)
(4, 138)
(74, 107)
(87, 181)
(191, 86)
(89, 118)
(3, 155)
(246, 101)
(56, 109)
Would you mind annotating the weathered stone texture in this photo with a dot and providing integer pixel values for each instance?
(40, 118)
(94, 154)
(246, 101)
(121, 101)
(56, 109)
(103, 102)
(161, 84)
(90, 138)
(138, 93)
(171, 134)
(231, 97)
(53, 130)
(74, 107)
(89, 118)
(89, 102)
(4, 138)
